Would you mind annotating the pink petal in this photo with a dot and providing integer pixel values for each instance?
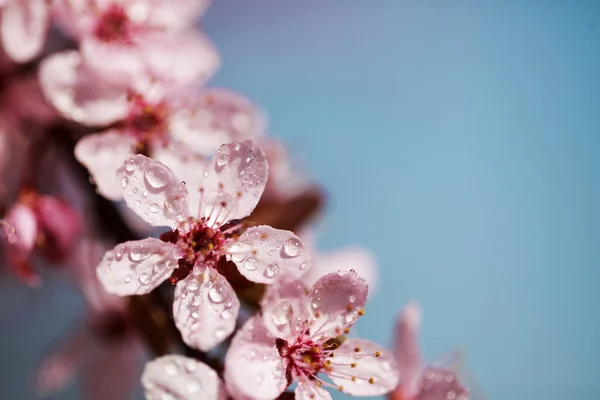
(79, 93)
(153, 191)
(181, 378)
(464, 383)
(103, 154)
(186, 165)
(61, 225)
(441, 384)
(216, 116)
(253, 366)
(283, 308)
(23, 26)
(58, 369)
(335, 302)
(406, 348)
(167, 14)
(205, 309)
(112, 370)
(233, 182)
(264, 254)
(307, 390)
(137, 267)
(359, 259)
(19, 232)
(372, 362)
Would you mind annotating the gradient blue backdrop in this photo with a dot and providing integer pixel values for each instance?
(460, 141)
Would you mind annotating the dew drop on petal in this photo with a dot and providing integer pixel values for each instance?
(251, 264)
(220, 333)
(303, 266)
(144, 278)
(157, 176)
(292, 247)
(193, 285)
(145, 194)
(216, 294)
(196, 300)
(222, 159)
(153, 208)
(138, 202)
(195, 314)
(128, 279)
(139, 253)
(191, 366)
(170, 369)
(124, 182)
(283, 312)
(226, 314)
(192, 387)
(272, 270)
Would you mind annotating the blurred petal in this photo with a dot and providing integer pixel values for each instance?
(137, 267)
(79, 93)
(23, 26)
(406, 348)
(171, 14)
(454, 362)
(212, 118)
(357, 258)
(61, 225)
(153, 191)
(233, 182)
(441, 384)
(264, 254)
(283, 308)
(112, 371)
(205, 309)
(20, 230)
(373, 367)
(335, 302)
(181, 378)
(103, 154)
(253, 367)
(307, 390)
(58, 369)
(186, 165)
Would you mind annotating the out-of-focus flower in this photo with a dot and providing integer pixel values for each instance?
(418, 381)
(105, 347)
(43, 223)
(182, 378)
(23, 28)
(355, 258)
(205, 306)
(299, 336)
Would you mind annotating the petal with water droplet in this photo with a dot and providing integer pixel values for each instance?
(205, 309)
(307, 390)
(283, 308)
(137, 267)
(153, 191)
(23, 28)
(262, 256)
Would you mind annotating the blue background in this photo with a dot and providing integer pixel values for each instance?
(460, 141)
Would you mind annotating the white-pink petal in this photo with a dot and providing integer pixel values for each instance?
(335, 302)
(181, 378)
(375, 372)
(283, 308)
(103, 154)
(23, 28)
(152, 190)
(406, 349)
(265, 255)
(205, 309)
(137, 267)
(233, 182)
(79, 93)
(21, 228)
(307, 390)
(253, 367)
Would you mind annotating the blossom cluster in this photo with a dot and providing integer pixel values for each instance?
(172, 209)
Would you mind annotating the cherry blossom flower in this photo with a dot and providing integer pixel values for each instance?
(181, 378)
(438, 381)
(42, 223)
(300, 336)
(205, 306)
(23, 28)
(104, 347)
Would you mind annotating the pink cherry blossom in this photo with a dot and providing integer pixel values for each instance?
(300, 336)
(23, 28)
(439, 381)
(205, 306)
(181, 378)
(42, 223)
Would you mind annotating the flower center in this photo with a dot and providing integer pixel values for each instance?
(113, 25)
(148, 122)
(307, 358)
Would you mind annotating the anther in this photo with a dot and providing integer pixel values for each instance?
(377, 354)
(357, 349)
(353, 365)
(361, 312)
(371, 381)
(341, 388)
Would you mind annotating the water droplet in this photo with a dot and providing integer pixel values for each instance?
(145, 194)
(192, 387)
(251, 264)
(220, 333)
(135, 190)
(170, 369)
(450, 395)
(144, 278)
(196, 300)
(272, 270)
(217, 293)
(271, 252)
(195, 314)
(226, 314)
(193, 285)
(157, 176)
(128, 279)
(350, 317)
(153, 208)
(303, 266)
(205, 174)
(282, 313)
(352, 299)
(292, 247)
(138, 202)
(250, 156)
(124, 182)
(238, 251)
(190, 365)
(222, 159)
(140, 253)
(130, 165)
(260, 378)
